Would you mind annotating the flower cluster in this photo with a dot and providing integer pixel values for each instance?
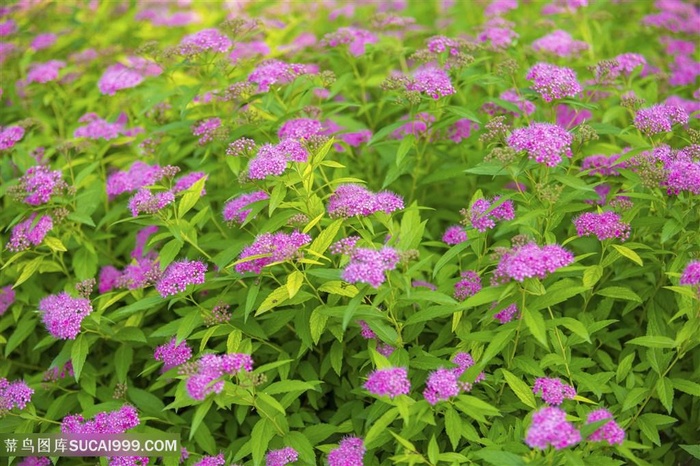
(274, 247)
(172, 354)
(498, 33)
(204, 40)
(139, 175)
(369, 266)
(245, 50)
(388, 382)
(610, 432)
(531, 260)
(124, 76)
(281, 457)
(180, 274)
(603, 165)
(550, 427)
(44, 72)
(659, 118)
(350, 200)
(63, 314)
(560, 43)
(454, 235)
(553, 390)
(368, 334)
(206, 130)
(432, 81)
(543, 142)
(356, 39)
(469, 285)
(554, 82)
(39, 183)
(211, 368)
(512, 96)
(14, 394)
(9, 136)
(109, 422)
(277, 72)
(235, 209)
(443, 384)
(217, 460)
(30, 232)
(350, 452)
(145, 202)
(506, 315)
(605, 225)
(97, 128)
(482, 215)
(691, 275)
(7, 297)
(272, 159)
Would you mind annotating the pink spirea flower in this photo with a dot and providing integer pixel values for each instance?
(43, 41)
(97, 128)
(145, 202)
(44, 72)
(63, 314)
(277, 247)
(163, 17)
(272, 160)
(211, 368)
(690, 106)
(277, 72)
(180, 274)
(300, 128)
(6, 49)
(560, 43)
(454, 235)
(30, 232)
(356, 138)
(563, 6)
(7, 297)
(106, 422)
(603, 165)
(7, 28)
(14, 394)
(344, 245)
(553, 82)
(35, 461)
(207, 39)
(206, 130)
(543, 142)
(172, 354)
(241, 146)
(139, 274)
(139, 175)
(568, 117)
(684, 71)
(356, 39)
(553, 391)
(39, 183)
(550, 427)
(461, 129)
(187, 181)
(500, 7)
(677, 46)
(245, 50)
(609, 432)
(469, 285)
(419, 127)
(506, 315)
(366, 332)
(141, 238)
(659, 118)
(124, 76)
(350, 452)
(483, 215)
(235, 210)
(604, 226)
(691, 274)
(350, 200)
(369, 266)
(498, 33)
(59, 372)
(442, 384)
(511, 95)
(390, 382)
(531, 260)
(217, 460)
(108, 279)
(626, 63)
(9, 136)
(432, 81)
(281, 457)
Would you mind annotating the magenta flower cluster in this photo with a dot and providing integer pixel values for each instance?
(356, 39)
(350, 452)
(350, 200)
(272, 159)
(603, 165)
(98, 128)
(14, 394)
(605, 225)
(432, 81)
(40, 183)
(277, 72)
(390, 382)
(554, 82)
(659, 118)
(468, 285)
(235, 209)
(211, 368)
(9, 136)
(483, 215)
(7, 297)
(506, 315)
(281, 457)
(610, 432)
(63, 314)
(370, 266)
(146, 202)
(275, 247)
(531, 260)
(217, 460)
(691, 275)
(109, 422)
(172, 354)
(139, 175)
(543, 142)
(205, 40)
(560, 43)
(553, 391)
(180, 274)
(443, 384)
(206, 130)
(124, 76)
(454, 234)
(550, 427)
(30, 232)
(44, 72)
(368, 334)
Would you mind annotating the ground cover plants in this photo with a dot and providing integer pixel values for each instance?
(353, 233)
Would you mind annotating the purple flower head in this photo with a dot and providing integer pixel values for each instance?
(180, 274)
(563, 6)
(109, 422)
(560, 43)
(531, 260)
(498, 33)
(143, 272)
(206, 130)
(124, 76)
(344, 245)
(235, 210)
(511, 95)
(281, 457)
(35, 461)
(29, 233)
(301, 128)
(603, 226)
(461, 129)
(355, 38)
(172, 355)
(690, 106)
(366, 332)
(187, 181)
(43, 41)
(277, 72)
(388, 382)
(145, 202)
(241, 146)
(44, 72)
(275, 247)
(550, 427)
(109, 279)
(442, 384)
(554, 82)
(350, 200)
(483, 216)
(691, 274)
(139, 175)
(62, 314)
(207, 39)
(610, 432)
(211, 368)
(500, 7)
(553, 391)
(14, 394)
(684, 71)
(432, 81)
(97, 128)
(217, 460)
(659, 118)
(141, 240)
(369, 266)
(245, 50)
(568, 117)
(40, 183)
(420, 127)
(506, 315)
(603, 165)
(543, 142)
(350, 452)
(454, 235)
(469, 285)
(356, 138)
(273, 159)
(7, 28)
(7, 297)
(9, 135)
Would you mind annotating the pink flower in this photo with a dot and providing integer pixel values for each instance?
(554, 82)
(610, 432)
(388, 382)
(276, 247)
(543, 142)
(14, 394)
(172, 354)
(550, 427)
(553, 390)
(180, 274)
(369, 266)
(29, 233)
(63, 314)
(605, 225)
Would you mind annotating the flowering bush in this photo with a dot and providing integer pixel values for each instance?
(353, 233)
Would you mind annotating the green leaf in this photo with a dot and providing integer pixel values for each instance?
(406, 143)
(561, 291)
(453, 426)
(78, 354)
(475, 407)
(260, 437)
(634, 397)
(169, 252)
(500, 458)
(187, 324)
(619, 292)
(624, 367)
(379, 426)
(575, 327)
(628, 253)
(592, 275)
(325, 238)
(294, 282)
(339, 288)
(686, 386)
(694, 450)
(274, 299)
(55, 244)
(653, 342)
(199, 415)
(520, 388)
(499, 342)
(664, 390)
(84, 264)
(190, 197)
(535, 323)
(433, 450)
(28, 269)
(123, 358)
(276, 198)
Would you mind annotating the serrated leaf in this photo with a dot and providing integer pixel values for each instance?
(294, 282)
(169, 252)
(686, 386)
(619, 292)
(379, 426)
(28, 269)
(520, 388)
(199, 415)
(535, 323)
(634, 397)
(500, 458)
(190, 197)
(664, 390)
(628, 253)
(55, 244)
(453, 426)
(274, 299)
(325, 238)
(78, 355)
(496, 344)
(592, 275)
(339, 288)
(653, 342)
